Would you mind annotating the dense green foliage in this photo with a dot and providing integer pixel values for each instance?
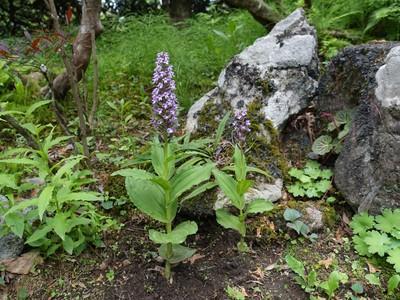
(128, 47)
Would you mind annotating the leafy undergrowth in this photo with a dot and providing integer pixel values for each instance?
(129, 265)
(129, 45)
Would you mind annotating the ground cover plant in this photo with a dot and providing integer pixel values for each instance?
(111, 224)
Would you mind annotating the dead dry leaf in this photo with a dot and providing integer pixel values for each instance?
(195, 257)
(372, 268)
(326, 262)
(258, 273)
(23, 264)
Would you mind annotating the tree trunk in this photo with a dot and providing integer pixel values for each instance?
(82, 46)
(260, 10)
(180, 10)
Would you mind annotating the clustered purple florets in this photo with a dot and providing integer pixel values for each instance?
(163, 99)
(241, 125)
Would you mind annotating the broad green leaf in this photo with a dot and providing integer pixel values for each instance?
(296, 173)
(360, 245)
(44, 200)
(177, 236)
(20, 161)
(38, 234)
(393, 283)
(377, 242)
(259, 206)
(199, 190)
(291, 214)
(157, 157)
(362, 222)
(299, 227)
(66, 168)
(134, 173)
(357, 288)
(16, 223)
(59, 224)
(243, 186)
(240, 164)
(323, 185)
(22, 205)
(389, 221)
(8, 180)
(80, 196)
(179, 253)
(296, 190)
(322, 145)
(394, 258)
(37, 105)
(295, 265)
(68, 245)
(76, 221)
(190, 178)
(229, 186)
(373, 279)
(229, 221)
(148, 197)
(332, 284)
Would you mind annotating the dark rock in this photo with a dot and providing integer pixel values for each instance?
(10, 245)
(367, 171)
(350, 76)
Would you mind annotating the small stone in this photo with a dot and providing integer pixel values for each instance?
(313, 218)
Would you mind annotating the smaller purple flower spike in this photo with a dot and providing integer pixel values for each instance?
(163, 98)
(241, 125)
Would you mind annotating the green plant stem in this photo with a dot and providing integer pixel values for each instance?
(167, 271)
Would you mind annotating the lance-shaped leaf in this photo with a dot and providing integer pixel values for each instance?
(177, 236)
(240, 164)
(148, 197)
(229, 186)
(44, 200)
(259, 206)
(189, 178)
(229, 221)
(134, 173)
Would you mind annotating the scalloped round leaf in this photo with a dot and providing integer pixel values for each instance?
(378, 242)
(360, 246)
(362, 222)
(322, 145)
(394, 258)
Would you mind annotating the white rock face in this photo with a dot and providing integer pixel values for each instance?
(279, 70)
(388, 79)
(271, 192)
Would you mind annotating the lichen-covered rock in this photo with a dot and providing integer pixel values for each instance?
(279, 71)
(350, 76)
(367, 171)
(274, 78)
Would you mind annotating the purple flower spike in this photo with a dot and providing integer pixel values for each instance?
(241, 125)
(163, 98)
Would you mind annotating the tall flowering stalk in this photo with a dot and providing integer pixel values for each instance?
(163, 98)
(241, 125)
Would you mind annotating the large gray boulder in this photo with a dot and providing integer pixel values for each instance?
(279, 72)
(367, 171)
(275, 78)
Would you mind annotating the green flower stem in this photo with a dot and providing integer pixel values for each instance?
(167, 271)
(241, 219)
